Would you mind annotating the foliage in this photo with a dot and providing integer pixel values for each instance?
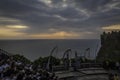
(43, 61)
(20, 58)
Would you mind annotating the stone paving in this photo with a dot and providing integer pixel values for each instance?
(91, 77)
(94, 77)
(84, 74)
(90, 74)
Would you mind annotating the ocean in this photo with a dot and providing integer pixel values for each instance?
(33, 49)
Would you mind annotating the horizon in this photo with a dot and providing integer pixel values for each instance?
(48, 39)
(32, 49)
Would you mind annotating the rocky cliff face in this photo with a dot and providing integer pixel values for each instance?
(110, 49)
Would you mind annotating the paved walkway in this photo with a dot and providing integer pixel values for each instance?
(85, 73)
(80, 76)
(93, 77)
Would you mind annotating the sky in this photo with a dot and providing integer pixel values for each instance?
(58, 19)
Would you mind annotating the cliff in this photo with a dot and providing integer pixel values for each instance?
(110, 49)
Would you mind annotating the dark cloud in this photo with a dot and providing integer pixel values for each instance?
(72, 15)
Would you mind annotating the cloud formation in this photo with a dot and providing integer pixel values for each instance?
(113, 27)
(51, 18)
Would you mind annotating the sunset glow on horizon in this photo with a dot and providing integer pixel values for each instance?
(111, 27)
(17, 27)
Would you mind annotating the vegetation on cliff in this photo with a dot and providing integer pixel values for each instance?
(44, 60)
(21, 58)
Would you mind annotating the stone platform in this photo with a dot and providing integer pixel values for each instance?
(83, 73)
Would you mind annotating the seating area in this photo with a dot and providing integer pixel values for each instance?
(16, 70)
